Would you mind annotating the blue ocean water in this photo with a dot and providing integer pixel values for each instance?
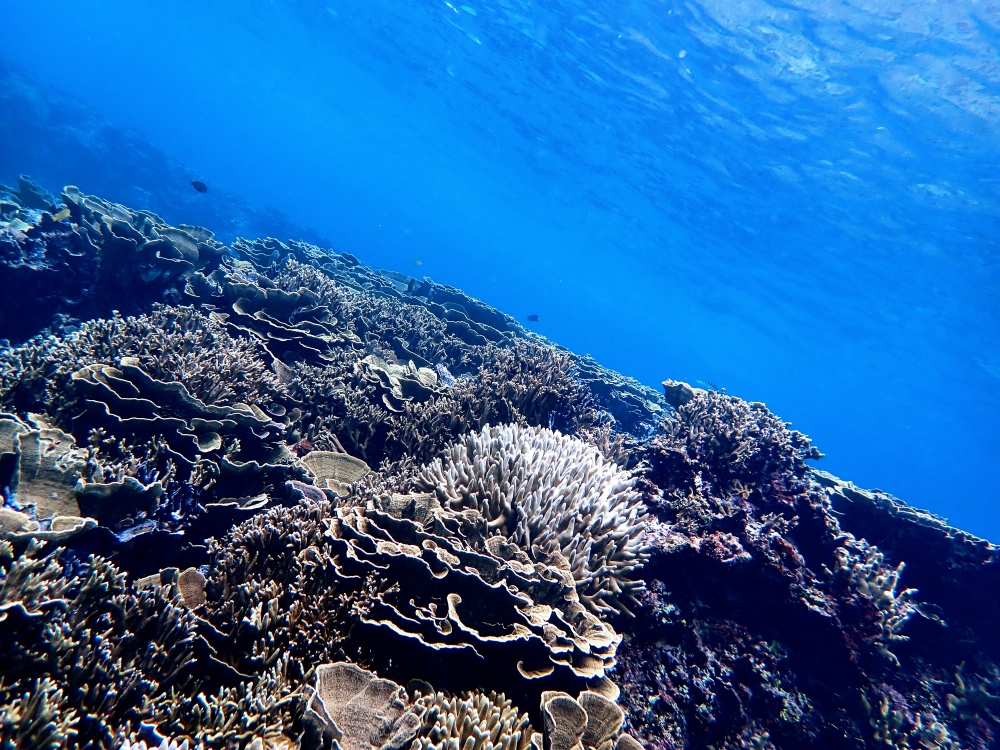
(796, 201)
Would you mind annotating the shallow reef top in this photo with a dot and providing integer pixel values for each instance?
(263, 496)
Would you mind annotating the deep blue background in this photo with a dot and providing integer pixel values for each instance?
(796, 201)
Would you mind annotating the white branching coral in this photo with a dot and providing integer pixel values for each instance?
(485, 722)
(875, 581)
(168, 744)
(896, 729)
(550, 493)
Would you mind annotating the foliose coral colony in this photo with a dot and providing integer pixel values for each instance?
(262, 496)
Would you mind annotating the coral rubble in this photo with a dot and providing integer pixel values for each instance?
(262, 496)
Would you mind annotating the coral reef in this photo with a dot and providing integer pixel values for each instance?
(262, 496)
(359, 710)
(87, 257)
(408, 602)
(82, 652)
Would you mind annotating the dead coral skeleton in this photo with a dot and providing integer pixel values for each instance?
(719, 446)
(549, 493)
(897, 728)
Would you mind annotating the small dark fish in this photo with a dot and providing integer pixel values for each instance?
(201, 187)
(533, 318)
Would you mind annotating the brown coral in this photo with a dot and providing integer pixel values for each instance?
(360, 710)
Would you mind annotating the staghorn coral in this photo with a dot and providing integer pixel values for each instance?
(550, 493)
(524, 384)
(254, 711)
(273, 590)
(873, 581)
(89, 661)
(100, 650)
(363, 406)
(344, 412)
(35, 718)
(950, 567)
(170, 343)
(189, 346)
(539, 385)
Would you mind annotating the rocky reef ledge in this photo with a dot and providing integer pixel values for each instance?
(262, 496)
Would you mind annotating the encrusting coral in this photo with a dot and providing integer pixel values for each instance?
(249, 493)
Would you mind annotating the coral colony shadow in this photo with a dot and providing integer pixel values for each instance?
(262, 496)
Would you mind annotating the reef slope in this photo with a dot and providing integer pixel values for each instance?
(261, 495)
